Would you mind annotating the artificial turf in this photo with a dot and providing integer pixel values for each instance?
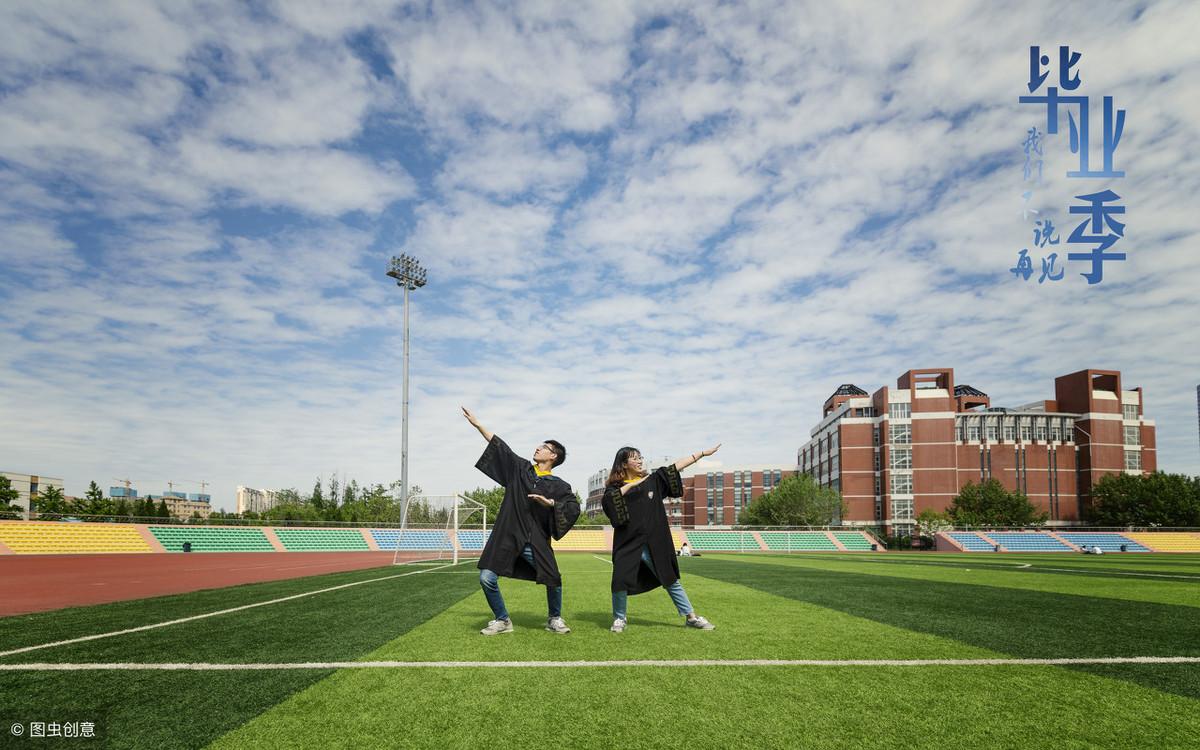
(810, 606)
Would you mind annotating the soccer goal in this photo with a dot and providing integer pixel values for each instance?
(438, 529)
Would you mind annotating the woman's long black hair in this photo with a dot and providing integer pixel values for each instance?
(617, 475)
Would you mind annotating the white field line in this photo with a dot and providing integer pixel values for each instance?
(134, 666)
(602, 559)
(211, 614)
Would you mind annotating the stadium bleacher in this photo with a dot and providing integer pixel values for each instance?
(724, 541)
(1028, 541)
(411, 539)
(33, 538)
(798, 541)
(322, 540)
(1106, 541)
(854, 541)
(583, 539)
(212, 539)
(971, 541)
(472, 540)
(1168, 541)
(40, 537)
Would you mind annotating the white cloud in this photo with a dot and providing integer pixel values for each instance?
(642, 236)
(317, 181)
(309, 96)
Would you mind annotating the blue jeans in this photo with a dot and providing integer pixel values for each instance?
(678, 595)
(491, 590)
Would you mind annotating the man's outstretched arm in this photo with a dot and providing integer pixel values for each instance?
(487, 434)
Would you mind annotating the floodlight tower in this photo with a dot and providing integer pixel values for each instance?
(409, 276)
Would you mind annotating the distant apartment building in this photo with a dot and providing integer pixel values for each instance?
(717, 498)
(250, 500)
(179, 504)
(186, 505)
(896, 452)
(29, 486)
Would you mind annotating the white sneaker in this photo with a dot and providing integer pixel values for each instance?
(618, 626)
(556, 625)
(497, 626)
(699, 622)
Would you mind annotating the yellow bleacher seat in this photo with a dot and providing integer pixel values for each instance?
(1168, 541)
(31, 537)
(582, 540)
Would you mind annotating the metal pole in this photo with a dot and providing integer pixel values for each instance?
(404, 412)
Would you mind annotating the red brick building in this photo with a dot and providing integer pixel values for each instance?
(896, 452)
(717, 498)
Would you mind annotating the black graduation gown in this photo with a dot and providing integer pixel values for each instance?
(524, 521)
(639, 519)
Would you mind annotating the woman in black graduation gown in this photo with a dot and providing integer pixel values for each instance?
(643, 551)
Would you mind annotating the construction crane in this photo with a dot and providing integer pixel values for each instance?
(129, 483)
(203, 484)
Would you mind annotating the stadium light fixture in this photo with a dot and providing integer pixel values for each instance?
(410, 276)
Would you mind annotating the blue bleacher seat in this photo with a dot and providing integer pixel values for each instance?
(971, 541)
(412, 539)
(471, 540)
(1107, 542)
(1026, 541)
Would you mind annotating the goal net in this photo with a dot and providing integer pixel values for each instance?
(438, 529)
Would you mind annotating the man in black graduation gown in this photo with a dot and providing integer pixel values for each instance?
(537, 506)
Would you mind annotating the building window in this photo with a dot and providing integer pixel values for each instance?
(902, 510)
(1133, 435)
(973, 432)
(993, 431)
(902, 484)
(1130, 410)
(1133, 460)
(899, 411)
(833, 464)
(901, 433)
(710, 484)
(1040, 430)
(876, 460)
(1010, 430)
(1055, 432)
(960, 426)
(901, 458)
(1026, 431)
(877, 485)
(876, 431)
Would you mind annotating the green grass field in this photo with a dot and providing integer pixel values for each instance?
(818, 607)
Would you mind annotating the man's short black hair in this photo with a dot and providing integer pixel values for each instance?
(560, 452)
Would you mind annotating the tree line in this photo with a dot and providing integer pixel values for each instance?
(1121, 500)
(51, 504)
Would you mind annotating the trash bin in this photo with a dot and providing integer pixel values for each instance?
(1124, 548)
(874, 547)
(187, 546)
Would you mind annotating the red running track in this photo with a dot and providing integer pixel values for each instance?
(36, 583)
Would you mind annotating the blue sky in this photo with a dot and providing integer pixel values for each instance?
(656, 224)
